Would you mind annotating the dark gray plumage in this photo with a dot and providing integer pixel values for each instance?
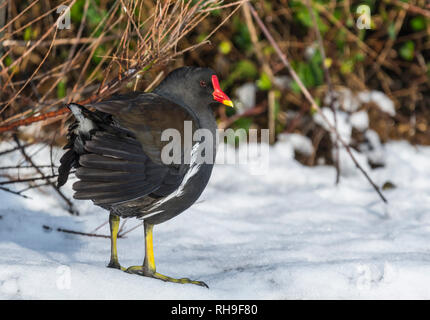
(117, 148)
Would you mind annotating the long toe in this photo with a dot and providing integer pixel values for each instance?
(160, 276)
(140, 270)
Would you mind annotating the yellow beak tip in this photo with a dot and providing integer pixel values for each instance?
(228, 103)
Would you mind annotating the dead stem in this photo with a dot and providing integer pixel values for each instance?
(309, 97)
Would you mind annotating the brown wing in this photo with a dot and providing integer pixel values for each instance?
(121, 160)
(147, 116)
(114, 169)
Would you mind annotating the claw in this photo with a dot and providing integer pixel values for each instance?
(115, 265)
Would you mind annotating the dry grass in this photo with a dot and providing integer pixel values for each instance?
(136, 35)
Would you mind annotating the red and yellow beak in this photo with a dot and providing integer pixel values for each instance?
(218, 94)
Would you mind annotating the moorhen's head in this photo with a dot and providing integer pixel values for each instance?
(195, 87)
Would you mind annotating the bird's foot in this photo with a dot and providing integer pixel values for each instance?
(140, 270)
(115, 265)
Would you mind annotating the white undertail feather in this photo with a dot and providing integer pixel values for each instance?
(85, 125)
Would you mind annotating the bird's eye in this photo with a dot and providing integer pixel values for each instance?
(203, 84)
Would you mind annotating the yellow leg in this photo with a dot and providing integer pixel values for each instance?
(148, 267)
(149, 260)
(114, 226)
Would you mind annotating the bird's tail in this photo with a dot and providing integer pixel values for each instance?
(79, 131)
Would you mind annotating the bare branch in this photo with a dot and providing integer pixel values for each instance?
(311, 100)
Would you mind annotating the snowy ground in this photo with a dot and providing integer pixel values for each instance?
(289, 234)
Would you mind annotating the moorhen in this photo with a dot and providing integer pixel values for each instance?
(117, 150)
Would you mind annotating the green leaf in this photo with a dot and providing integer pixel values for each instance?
(347, 66)
(244, 70)
(201, 37)
(264, 83)
(241, 37)
(341, 40)
(392, 31)
(418, 23)
(98, 54)
(407, 51)
(268, 50)
(27, 34)
(216, 12)
(8, 61)
(295, 87)
(224, 47)
(243, 123)
(77, 10)
(94, 16)
(359, 57)
(316, 69)
(61, 89)
(305, 19)
(311, 73)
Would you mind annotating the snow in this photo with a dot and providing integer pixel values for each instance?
(373, 148)
(290, 233)
(246, 94)
(360, 120)
(351, 102)
(342, 123)
(383, 102)
(299, 142)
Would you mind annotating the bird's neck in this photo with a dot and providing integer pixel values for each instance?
(204, 113)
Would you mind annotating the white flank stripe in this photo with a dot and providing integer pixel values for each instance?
(194, 168)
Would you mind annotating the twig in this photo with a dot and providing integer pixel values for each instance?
(3, 4)
(171, 22)
(25, 167)
(56, 42)
(2, 183)
(31, 77)
(97, 228)
(27, 121)
(71, 208)
(329, 84)
(14, 149)
(154, 82)
(18, 193)
(412, 8)
(266, 68)
(81, 233)
(351, 35)
(250, 112)
(34, 187)
(309, 97)
(130, 230)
